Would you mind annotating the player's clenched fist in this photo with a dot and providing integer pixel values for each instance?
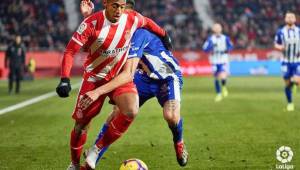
(64, 87)
(86, 7)
(87, 99)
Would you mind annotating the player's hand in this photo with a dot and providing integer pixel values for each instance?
(279, 47)
(167, 41)
(86, 8)
(87, 99)
(64, 87)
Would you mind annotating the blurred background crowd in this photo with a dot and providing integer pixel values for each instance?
(43, 24)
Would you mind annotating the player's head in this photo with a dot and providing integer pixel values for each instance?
(290, 18)
(114, 9)
(18, 39)
(130, 4)
(217, 28)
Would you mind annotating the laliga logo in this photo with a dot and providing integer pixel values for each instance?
(284, 154)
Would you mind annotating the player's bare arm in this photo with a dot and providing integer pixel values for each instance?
(279, 47)
(124, 77)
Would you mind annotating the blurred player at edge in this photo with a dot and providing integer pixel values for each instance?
(159, 76)
(107, 35)
(219, 45)
(287, 40)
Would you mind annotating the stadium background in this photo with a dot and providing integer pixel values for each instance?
(46, 26)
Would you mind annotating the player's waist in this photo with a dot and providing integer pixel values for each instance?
(101, 75)
(291, 59)
(156, 76)
(219, 52)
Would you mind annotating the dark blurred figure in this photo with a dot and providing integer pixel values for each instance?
(15, 62)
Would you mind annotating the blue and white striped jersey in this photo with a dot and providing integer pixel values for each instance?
(158, 62)
(290, 39)
(219, 46)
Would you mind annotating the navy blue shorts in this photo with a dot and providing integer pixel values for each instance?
(218, 68)
(163, 90)
(290, 70)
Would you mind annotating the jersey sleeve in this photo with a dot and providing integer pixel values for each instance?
(150, 25)
(138, 43)
(79, 39)
(208, 45)
(83, 32)
(279, 38)
(229, 44)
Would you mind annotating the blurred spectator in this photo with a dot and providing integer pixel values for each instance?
(179, 18)
(252, 23)
(30, 70)
(41, 23)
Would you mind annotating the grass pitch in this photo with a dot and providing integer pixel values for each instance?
(242, 132)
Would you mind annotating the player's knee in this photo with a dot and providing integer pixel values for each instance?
(80, 128)
(172, 111)
(131, 111)
(171, 118)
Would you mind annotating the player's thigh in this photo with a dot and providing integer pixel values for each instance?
(287, 72)
(296, 75)
(169, 90)
(222, 75)
(215, 70)
(144, 87)
(84, 116)
(126, 99)
(223, 71)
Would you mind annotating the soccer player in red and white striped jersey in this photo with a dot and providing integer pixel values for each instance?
(106, 35)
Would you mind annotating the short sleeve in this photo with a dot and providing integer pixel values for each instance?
(207, 46)
(279, 37)
(83, 32)
(229, 44)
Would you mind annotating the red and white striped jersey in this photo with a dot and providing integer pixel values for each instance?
(107, 43)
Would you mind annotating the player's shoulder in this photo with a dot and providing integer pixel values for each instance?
(281, 29)
(142, 34)
(95, 16)
(143, 31)
(133, 14)
(210, 37)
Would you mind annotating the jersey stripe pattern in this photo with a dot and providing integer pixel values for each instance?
(107, 43)
(290, 39)
(219, 46)
(155, 60)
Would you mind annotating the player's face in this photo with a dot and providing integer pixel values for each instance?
(290, 19)
(217, 28)
(114, 9)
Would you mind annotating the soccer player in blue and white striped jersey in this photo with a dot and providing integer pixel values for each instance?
(219, 45)
(158, 75)
(287, 40)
